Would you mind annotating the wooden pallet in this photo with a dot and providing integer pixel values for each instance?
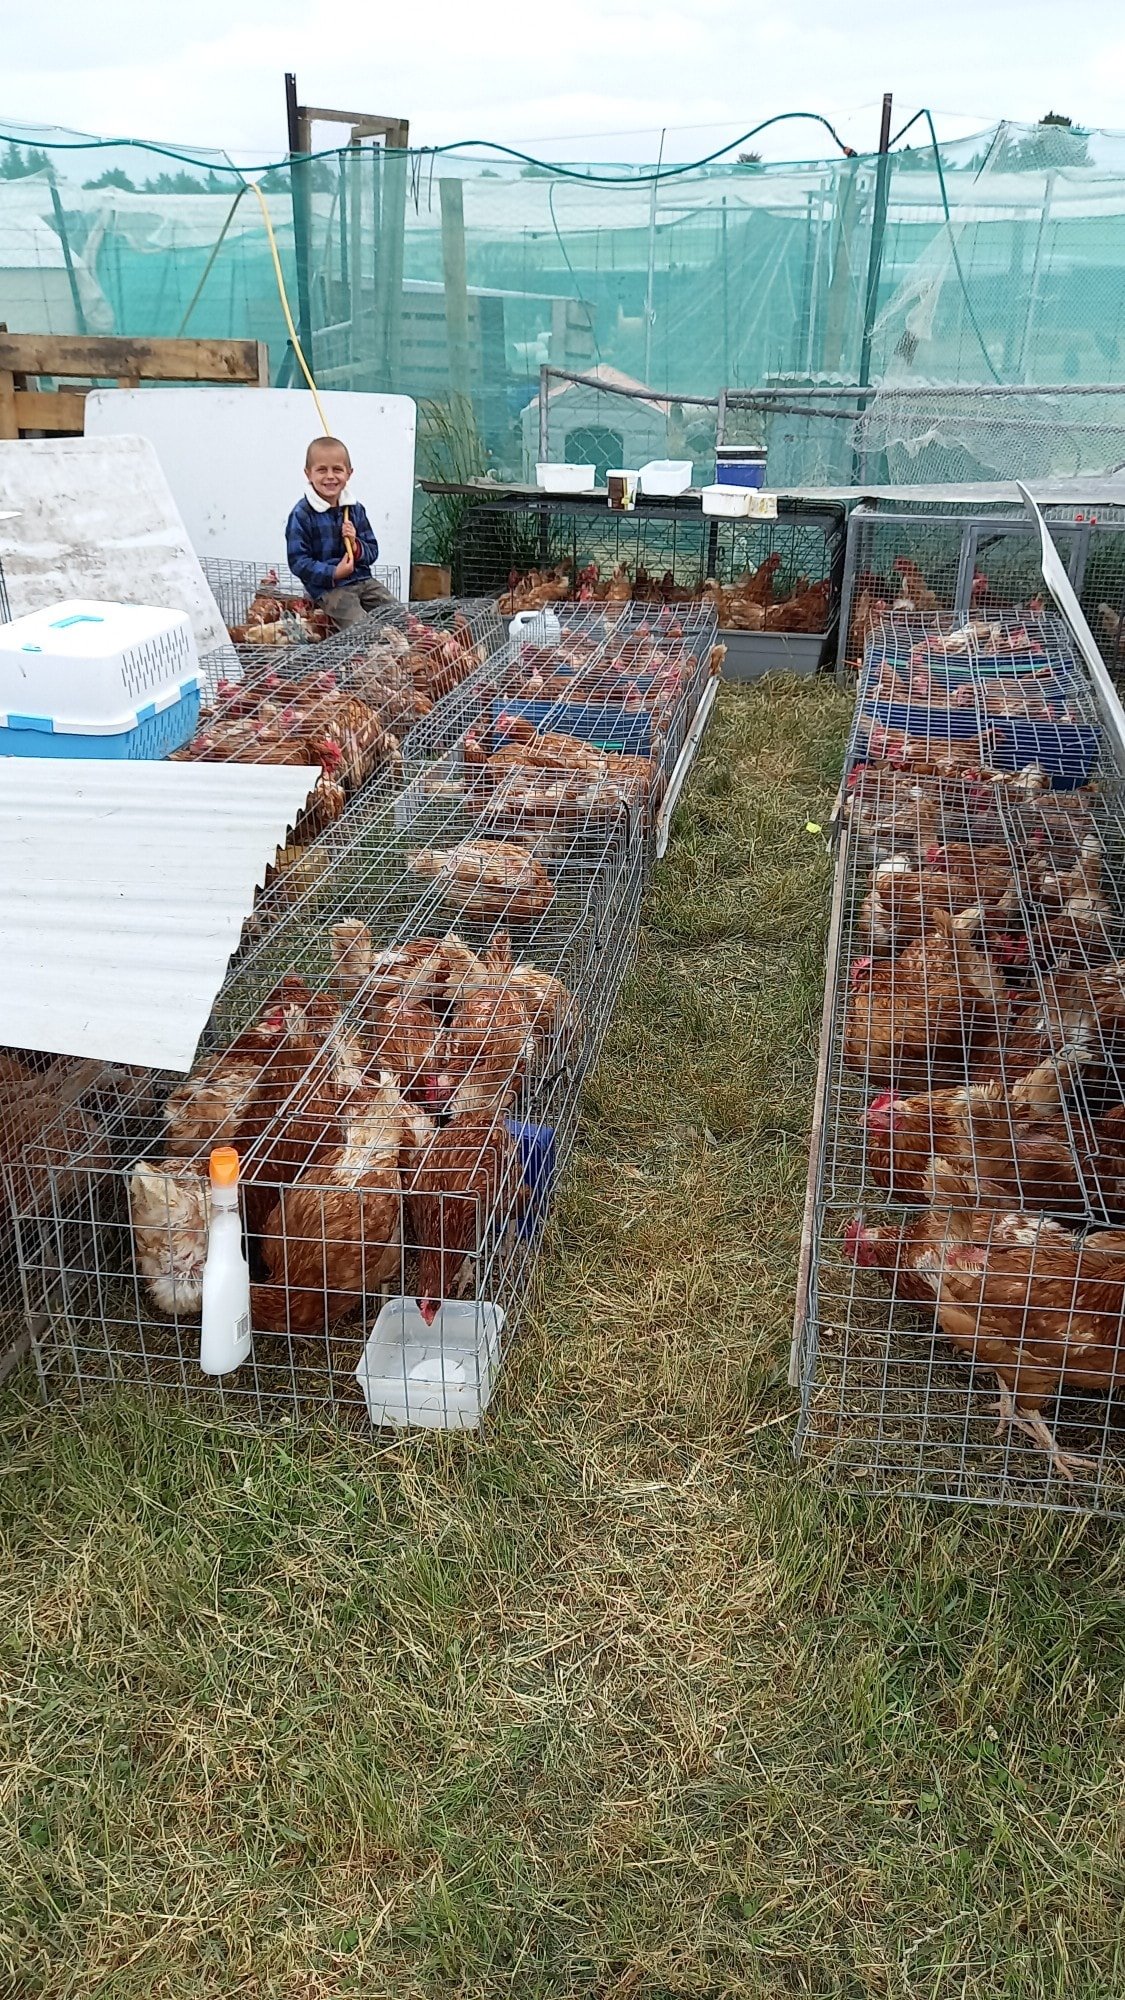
(80, 362)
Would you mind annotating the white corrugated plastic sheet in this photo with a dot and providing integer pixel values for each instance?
(94, 517)
(123, 892)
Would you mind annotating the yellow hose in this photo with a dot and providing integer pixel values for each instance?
(284, 297)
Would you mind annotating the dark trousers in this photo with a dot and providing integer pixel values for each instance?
(350, 602)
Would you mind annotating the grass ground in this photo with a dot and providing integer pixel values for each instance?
(613, 1701)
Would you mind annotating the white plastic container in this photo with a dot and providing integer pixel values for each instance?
(225, 1336)
(726, 503)
(622, 486)
(565, 478)
(83, 679)
(85, 663)
(668, 476)
(438, 1377)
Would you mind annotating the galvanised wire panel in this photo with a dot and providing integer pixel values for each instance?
(959, 1323)
(399, 1058)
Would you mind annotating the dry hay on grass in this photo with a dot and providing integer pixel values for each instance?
(610, 1703)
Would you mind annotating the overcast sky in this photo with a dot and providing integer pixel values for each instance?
(596, 79)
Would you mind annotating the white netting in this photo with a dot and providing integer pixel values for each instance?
(908, 438)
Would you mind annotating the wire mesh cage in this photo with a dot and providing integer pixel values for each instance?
(973, 563)
(76, 1099)
(497, 541)
(778, 575)
(425, 632)
(343, 706)
(568, 726)
(263, 603)
(402, 1094)
(961, 1302)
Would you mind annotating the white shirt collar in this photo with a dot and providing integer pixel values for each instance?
(320, 506)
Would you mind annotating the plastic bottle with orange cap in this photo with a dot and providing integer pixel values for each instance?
(225, 1336)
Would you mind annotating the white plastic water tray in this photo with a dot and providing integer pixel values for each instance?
(439, 1377)
(667, 476)
(84, 664)
(565, 478)
(727, 503)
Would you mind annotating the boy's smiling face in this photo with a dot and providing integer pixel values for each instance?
(328, 473)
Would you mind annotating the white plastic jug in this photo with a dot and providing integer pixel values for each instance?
(533, 628)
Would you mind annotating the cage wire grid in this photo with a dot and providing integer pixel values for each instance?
(476, 620)
(967, 562)
(560, 551)
(969, 1192)
(342, 705)
(628, 686)
(91, 1246)
(235, 582)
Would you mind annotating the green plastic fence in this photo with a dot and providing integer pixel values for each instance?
(452, 276)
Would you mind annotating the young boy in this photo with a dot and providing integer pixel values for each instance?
(328, 538)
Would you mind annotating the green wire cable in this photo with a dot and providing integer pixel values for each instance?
(459, 146)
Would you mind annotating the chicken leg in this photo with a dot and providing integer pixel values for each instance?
(1035, 1426)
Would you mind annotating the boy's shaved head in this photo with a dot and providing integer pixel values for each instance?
(322, 447)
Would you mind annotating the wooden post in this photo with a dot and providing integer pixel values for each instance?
(9, 420)
(299, 196)
(455, 272)
(354, 156)
(393, 234)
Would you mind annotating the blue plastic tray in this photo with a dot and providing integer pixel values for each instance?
(157, 734)
(535, 1145)
(614, 729)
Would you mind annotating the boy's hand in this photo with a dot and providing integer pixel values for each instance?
(350, 536)
(346, 565)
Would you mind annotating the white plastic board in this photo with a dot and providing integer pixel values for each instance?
(94, 517)
(235, 459)
(123, 891)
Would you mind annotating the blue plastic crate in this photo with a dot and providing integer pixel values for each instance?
(615, 729)
(152, 733)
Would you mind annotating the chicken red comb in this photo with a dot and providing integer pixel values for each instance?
(856, 1246)
(858, 967)
(878, 1111)
(1010, 950)
(936, 856)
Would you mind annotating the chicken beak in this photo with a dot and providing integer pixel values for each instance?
(429, 1309)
